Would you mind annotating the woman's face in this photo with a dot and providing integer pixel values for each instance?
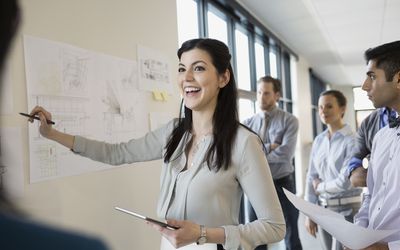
(199, 80)
(329, 110)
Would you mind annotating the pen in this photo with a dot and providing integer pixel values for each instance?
(36, 118)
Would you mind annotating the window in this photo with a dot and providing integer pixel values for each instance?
(317, 87)
(260, 60)
(273, 62)
(188, 25)
(256, 52)
(362, 105)
(246, 108)
(217, 26)
(242, 60)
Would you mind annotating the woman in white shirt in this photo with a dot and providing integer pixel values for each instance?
(326, 181)
(209, 158)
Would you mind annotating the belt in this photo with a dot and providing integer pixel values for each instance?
(339, 201)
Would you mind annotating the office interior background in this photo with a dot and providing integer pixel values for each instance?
(311, 45)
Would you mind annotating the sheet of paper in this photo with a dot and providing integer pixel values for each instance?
(89, 94)
(337, 226)
(157, 96)
(154, 72)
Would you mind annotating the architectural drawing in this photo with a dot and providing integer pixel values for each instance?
(154, 70)
(88, 94)
(74, 72)
(46, 160)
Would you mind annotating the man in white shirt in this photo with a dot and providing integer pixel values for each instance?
(381, 206)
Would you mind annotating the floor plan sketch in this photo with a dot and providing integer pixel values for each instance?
(89, 94)
(74, 72)
(154, 70)
(46, 160)
(128, 75)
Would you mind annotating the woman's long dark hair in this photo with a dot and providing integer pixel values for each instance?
(225, 118)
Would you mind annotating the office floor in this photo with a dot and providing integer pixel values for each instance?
(308, 242)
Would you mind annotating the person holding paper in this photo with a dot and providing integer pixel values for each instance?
(381, 205)
(210, 159)
(326, 182)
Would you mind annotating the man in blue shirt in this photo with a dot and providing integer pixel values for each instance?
(278, 130)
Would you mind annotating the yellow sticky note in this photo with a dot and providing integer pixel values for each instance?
(157, 96)
(165, 95)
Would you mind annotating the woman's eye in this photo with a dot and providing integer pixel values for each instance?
(373, 77)
(181, 69)
(198, 68)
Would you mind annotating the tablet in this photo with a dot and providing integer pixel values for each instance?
(146, 218)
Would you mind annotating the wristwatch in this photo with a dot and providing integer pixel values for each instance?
(203, 236)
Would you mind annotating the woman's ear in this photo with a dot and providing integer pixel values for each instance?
(224, 79)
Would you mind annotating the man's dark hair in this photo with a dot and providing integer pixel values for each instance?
(276, 83)
(387, 58)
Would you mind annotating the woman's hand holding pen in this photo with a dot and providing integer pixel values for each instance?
(45, 128)
(187, 233)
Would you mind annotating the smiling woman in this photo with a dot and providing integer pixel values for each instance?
(327, 183)
(209, 158)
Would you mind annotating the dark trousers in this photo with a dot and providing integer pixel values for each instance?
(291, 214)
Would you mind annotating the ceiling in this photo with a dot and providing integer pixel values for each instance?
(331, 35)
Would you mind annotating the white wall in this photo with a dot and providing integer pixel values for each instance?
(86, 202)
(302, 110)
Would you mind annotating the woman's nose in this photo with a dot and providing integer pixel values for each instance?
(189, 75)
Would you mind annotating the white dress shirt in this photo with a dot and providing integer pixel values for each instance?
(381, 206)
(328, 162)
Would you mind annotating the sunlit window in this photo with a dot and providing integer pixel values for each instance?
(362, 105)
(246, 109)
(242, 60)
(217, 27)
(187, 20)
(361, 101)
(273, 64)
(260, 60)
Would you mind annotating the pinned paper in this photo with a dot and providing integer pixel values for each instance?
(165, 96)
(157, 96)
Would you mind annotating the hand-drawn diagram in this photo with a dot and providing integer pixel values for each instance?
(154, 70)
(74, 72)
(89, 94)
